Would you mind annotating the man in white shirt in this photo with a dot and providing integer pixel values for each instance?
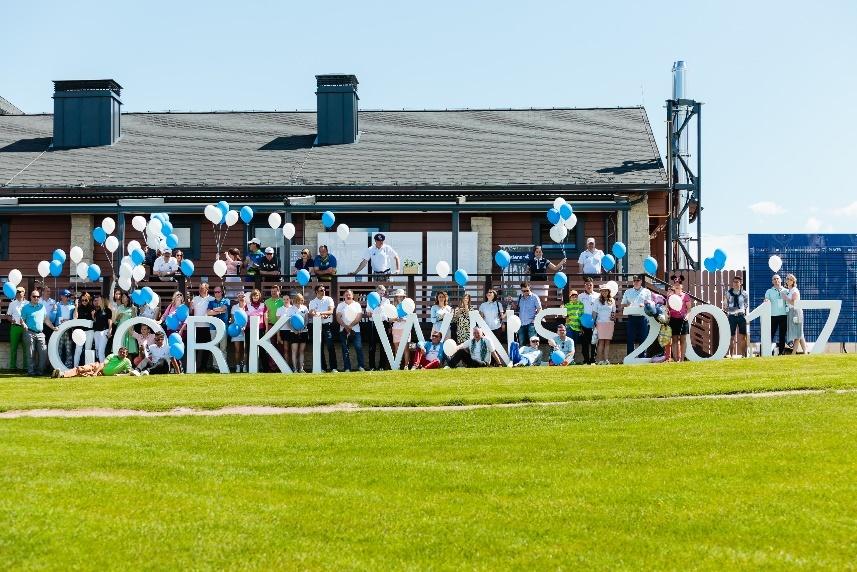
(588, 299)
(589, 260)
(199, 307)
(475, 352)
(348, 315)
(372, 332)
(633, 300)
(382, 258)
(64, 310)
(159, 358)
(166, 266)
(322, 305)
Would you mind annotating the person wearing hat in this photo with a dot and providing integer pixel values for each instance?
(633, 301)
(589, 260)
(165, 267)
(253, 258)
(269, 266)
(372, 332)
(63, 311)
(604, 314)
(530, 354)
(16, 331)
(381, 257)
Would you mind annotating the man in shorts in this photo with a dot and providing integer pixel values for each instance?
(736, 303)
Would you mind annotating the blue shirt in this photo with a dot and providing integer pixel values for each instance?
(223, 303)
(778, 305)
(321, 264)
(528, 307)
(33, 316)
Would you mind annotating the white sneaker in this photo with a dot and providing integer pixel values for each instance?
(334, 370)
(135, 373)
(446, 367)
(360, 369)
(144, 372)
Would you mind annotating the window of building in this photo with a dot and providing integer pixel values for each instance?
(187, 230)
(4, 239)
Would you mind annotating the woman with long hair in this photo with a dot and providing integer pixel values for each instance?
(305, 261)
(439, 311)
(300, 337)
(177, 300)
(238, 341)
(678, 318)
(604, 314)
(232, 285)
(102, 321)
(83, 310)
(794, 330)
(494, 314)
(462, 320)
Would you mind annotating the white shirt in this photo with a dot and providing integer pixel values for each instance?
(635, 300)
(66, 312)
(162, 265)
(603, 312)
(370, 312)
(157, 353)
(474, 349)
(591, 261)
(286, 311)
(15, 310)
(324, 304)
(340, 313)
(200, 305)
(588, 301)
(382, 259)
(491, 312)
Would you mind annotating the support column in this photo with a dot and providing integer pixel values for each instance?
(455, 230)
(639, 246)
(81, 235)
(120, 234)
(311, 230)
(483, 226)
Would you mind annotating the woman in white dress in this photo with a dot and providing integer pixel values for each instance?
(794, 333)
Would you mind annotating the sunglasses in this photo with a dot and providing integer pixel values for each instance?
(218, 291)
(35, 297)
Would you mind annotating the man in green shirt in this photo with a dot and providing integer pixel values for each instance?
(574, 309)
(113, 365)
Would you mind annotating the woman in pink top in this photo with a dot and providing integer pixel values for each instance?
(178, 300)
(678, 318)
(232, 257)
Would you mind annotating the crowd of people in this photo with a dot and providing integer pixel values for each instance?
(584, 336)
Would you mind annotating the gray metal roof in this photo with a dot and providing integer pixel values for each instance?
(419, 149)
(7, 108)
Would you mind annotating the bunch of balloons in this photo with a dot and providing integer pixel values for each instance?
(239, 322)
(11, 286)
(176, 344)
(563, 219)
(716, 262)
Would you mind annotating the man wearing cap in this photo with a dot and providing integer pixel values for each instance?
(165, 267)
(35, 318)
(254, 257)
(269, 266)
(63, 311)
(475, 352)
(372, 332)
(589, 260)
(633, 300)
(16, 331)
(324, 265)
(381, 257)
(525, 355)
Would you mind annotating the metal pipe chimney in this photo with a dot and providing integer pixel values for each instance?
(680, 147)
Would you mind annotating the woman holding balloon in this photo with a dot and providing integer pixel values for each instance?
(236, 329)
(679, 303)
(300, 335)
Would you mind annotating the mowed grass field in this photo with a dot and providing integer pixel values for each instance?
(612, 479)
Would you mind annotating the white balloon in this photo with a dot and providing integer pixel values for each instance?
(513, 324)
(409, 305)
(154, 227)
(570, 222)
(213, 214)
(134, 245)
(674, 302)
(108, 224)
(15, 277)
(342, 231)
(125, 283)
(558, 202)
(289, 231)
(153, 241)
(127, 260)
(78, 336)
(775, 263)
(138, 273)
(442, 269)
(155, 301)
(82, 269)
(274, 220)
(125, 269)
(44, 268)
(231, 217)
(449, 348)
(390, 311)
(558, 232)
(220, 268)
(139, 223)
(76, 254)
(111, 244)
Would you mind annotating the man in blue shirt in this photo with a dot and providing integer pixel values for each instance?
(779, 311)
(35, 318)
(324, 264)
(528, 306)
(219, 308)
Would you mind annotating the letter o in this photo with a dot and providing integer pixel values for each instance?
(722, 325)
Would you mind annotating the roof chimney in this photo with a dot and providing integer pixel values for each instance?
(86, 113)
(336, 115)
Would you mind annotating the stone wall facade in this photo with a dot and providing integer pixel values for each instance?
(81, 235)
(484, 256)
(638, 245)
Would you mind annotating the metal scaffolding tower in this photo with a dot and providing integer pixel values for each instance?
(685, 196)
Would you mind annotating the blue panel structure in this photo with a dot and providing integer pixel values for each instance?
(86, 113)
(826, 269)
(337, 109)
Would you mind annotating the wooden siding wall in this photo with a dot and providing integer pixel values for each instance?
(33, 238)
(517, 228)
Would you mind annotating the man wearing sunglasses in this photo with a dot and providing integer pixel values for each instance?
(35, 318)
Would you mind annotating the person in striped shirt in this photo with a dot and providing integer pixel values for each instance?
(573, 310)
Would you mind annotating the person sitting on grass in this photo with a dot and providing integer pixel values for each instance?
(159, 359)
(475, 352)
(564, 344)
(429, 355)
(531, 354)
(115, 364)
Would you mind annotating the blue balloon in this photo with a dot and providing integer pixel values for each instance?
(710, 264)
(619, 250)
(650, 265)
(172, 322)
(172, 241)
(373, 300)
(148, 294)
(175, 338)
(246, 214)
(586, 320)
(608, 262)
(158, 216)
(59, 254)
(400, 311)
(234, 330)
(565, 211)
(99, 235)
(502, 258)
(138, 256)
(187, 267)
(56, 268)
(303, 276)
(167, 228)
(93, 272)
(298, 322)
(557, 357)
(224, 207)
(177, 351)
(328, 219)
(239, 316)
(560, 279)
(720, 257)
(137, 297)
(461, 277)
(182, 313)
(553, 216)
(9, 289)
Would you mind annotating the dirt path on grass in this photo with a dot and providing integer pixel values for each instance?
(354, 408)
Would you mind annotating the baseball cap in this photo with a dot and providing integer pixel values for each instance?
(380, 237)
(167, 250)
(638, 277)
(255, 241)
(590, 240)
(65, 292)
(269, 250)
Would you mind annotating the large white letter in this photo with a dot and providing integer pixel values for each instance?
(541, 330)
(53, 350)
(264, 342)
(411, 323)
(122, 330)
(211, 346)
(763, 312)
(654, 330)
(835, 306)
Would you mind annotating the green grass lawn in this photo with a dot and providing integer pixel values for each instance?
(445, 387)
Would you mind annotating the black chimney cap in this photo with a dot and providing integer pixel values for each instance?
(336, 79)
(78, 84)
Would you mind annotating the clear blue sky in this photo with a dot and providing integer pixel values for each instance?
(778, 78)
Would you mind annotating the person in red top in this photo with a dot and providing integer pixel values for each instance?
(678, 318)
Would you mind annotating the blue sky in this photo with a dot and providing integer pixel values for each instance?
(777, 79)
